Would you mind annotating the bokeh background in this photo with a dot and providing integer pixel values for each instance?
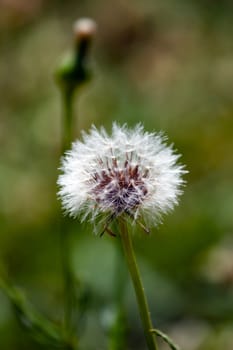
(169, 65)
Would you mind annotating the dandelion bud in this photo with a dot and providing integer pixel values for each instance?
(74, 70)
(84, 28)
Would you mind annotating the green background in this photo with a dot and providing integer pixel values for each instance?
(169, 65)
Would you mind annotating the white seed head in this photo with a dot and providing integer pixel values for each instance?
(129, 172)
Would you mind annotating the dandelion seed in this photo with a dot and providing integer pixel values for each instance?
(130, 172)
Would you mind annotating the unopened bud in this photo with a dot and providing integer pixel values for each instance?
(84, 28)
(75, 71)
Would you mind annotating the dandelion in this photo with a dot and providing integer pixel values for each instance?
(130, 172)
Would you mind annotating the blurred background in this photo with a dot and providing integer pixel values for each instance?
(169, 65)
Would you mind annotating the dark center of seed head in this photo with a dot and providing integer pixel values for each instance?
(121, 189)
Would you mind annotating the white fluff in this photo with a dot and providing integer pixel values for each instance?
(129, 172)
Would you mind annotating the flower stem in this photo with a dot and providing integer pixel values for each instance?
(67, 100)
(68, 278)
(138, 286)
(118, 331)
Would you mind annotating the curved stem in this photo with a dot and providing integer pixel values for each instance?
(166, 338)
(138, 286)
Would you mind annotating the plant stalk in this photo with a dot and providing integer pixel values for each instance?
(119, 328)
(71, 75)
(138, 286)
(68, 278)
(67, 100)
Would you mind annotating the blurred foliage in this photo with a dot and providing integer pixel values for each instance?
(166, 64)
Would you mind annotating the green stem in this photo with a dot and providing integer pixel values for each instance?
(166, 338)
(70, 75)
(138, 286)
(67, 276)
(67, 100)
(118, 331)
(67, 95)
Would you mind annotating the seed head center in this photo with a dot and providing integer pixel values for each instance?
(120, 188)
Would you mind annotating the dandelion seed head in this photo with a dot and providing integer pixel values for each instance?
(129, 172)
